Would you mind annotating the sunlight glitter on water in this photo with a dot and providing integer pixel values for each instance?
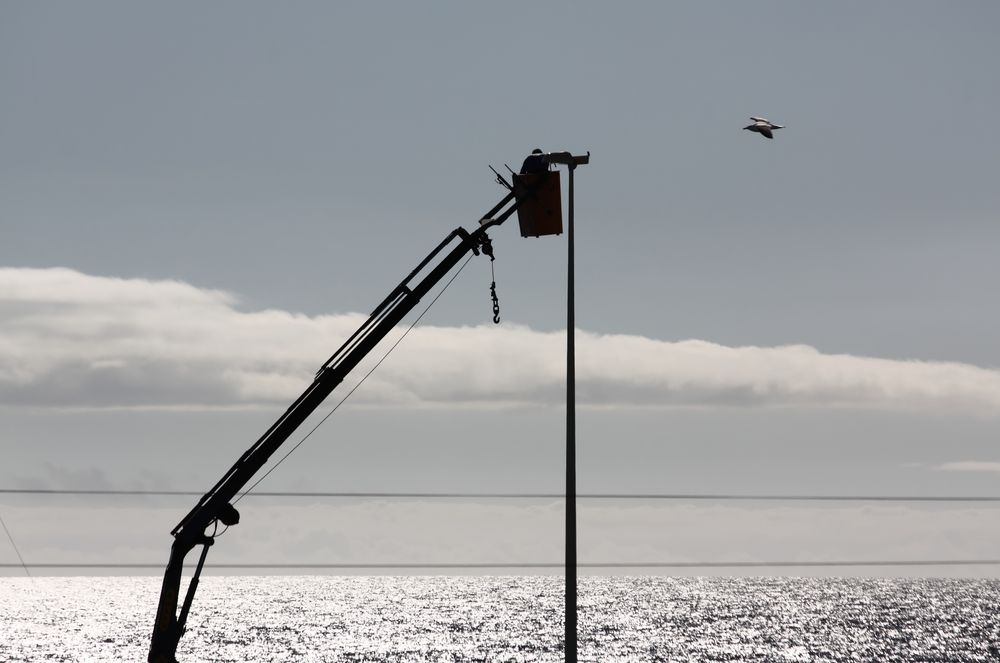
(509, 619)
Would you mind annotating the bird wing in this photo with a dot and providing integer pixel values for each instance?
(766, 132)
(777, 126)
(758, 119)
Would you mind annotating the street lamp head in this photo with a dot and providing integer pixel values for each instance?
(566, 158)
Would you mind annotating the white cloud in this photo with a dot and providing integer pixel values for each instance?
(76, 340)
(970, 466)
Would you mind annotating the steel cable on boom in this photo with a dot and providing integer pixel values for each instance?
(355, 387)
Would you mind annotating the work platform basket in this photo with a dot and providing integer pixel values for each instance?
(539, 203)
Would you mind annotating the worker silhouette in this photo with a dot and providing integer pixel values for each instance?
(534, 163)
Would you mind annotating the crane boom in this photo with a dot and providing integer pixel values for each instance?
(216, 505)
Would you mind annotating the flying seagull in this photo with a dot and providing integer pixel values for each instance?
(763, 127)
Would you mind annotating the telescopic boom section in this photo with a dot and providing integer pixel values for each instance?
(216, 505)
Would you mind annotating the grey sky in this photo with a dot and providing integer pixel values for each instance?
(304, 157)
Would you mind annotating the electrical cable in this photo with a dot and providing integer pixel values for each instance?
(749, 497)
(535, 565)
(10, 537)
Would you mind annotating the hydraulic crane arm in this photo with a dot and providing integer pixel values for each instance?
(216, 505)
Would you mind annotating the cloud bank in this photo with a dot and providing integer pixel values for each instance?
(69, 339)
(970, 466)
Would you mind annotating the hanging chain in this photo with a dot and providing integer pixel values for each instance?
(493, 294)
(487, 246)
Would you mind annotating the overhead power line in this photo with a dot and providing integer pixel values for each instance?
(526, 495)
(529, 565)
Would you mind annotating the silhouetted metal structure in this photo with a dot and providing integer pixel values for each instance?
(570, 161)
(540, 213)
(216, 506)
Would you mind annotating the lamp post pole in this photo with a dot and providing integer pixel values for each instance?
(571, 606)
(571, 603)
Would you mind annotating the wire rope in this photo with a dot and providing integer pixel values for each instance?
(360, 382)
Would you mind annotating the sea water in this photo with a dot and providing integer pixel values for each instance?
(509, 619)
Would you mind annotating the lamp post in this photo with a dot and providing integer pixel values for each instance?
(571, 162)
